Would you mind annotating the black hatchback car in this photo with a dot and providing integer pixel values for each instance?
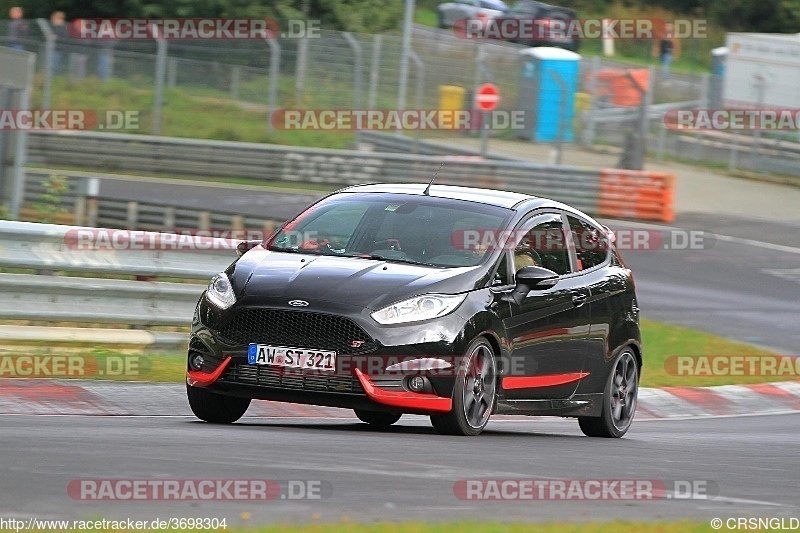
(447, 301)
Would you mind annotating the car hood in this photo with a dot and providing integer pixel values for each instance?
(263, 277)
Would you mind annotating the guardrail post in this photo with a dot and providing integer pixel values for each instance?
(132, 217)
(80, 211)
(268, 228)
(237, 223)
(86, 192)
(169, 218)
(91, 212)
(204, 221)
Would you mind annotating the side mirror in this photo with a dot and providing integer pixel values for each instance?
(532, 278)
(244, 246)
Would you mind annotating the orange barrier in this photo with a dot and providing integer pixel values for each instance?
(636, 194)
(615, 86)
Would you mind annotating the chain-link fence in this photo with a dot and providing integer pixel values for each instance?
(617, 103)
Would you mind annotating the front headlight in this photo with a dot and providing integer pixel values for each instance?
(418, 308)
(220, 291)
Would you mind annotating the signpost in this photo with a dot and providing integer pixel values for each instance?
(487, 96)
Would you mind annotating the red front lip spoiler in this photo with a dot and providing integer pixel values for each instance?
(407, 400)
(196, 378)
(532, 382)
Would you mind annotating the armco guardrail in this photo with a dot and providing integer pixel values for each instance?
(120, 213)
(391, 143)
(222, 159)
(95, 300)
(49, 248)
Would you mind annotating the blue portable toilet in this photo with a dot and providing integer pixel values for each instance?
(547, 105)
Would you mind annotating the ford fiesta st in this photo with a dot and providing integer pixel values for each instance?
(447, 301)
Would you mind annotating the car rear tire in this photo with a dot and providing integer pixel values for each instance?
(473, 393)
(619, 400)
(378, 419)
(216, 408)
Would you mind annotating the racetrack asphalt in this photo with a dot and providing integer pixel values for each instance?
(749, 464)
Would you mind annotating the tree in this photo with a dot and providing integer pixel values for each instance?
(368, 16)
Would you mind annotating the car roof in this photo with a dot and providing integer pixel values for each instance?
(494, 197)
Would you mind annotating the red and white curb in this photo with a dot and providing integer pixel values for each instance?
(116, 398)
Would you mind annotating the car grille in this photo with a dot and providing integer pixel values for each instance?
(301, 329)
(280, 378)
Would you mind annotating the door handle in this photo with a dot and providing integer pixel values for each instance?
(579, 299)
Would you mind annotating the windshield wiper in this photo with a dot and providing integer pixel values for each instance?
(378, 257)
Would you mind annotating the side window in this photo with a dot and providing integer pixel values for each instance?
(591, 245)
(543, 245)
(501, 276)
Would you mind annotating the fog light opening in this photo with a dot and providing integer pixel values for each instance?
(196, 362)
(416, 383)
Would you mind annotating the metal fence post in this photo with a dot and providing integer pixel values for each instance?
(420, 89)
(236, 73)
(760, 84)
(402, 82)
(562, 113)
(274, 73)
(374, 74)
(158, 96)
(49, 49)
(635, 145)
(358, 68)
(172, 73)
(588, 134)
(300, 72)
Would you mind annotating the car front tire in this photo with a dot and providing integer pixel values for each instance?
(377, 419)
(473, 393)
(619, 400)
(215, 408)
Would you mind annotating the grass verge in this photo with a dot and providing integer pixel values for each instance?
(660, 341)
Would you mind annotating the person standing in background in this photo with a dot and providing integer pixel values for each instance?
(60, 31)
(17, 28)
(668, 49)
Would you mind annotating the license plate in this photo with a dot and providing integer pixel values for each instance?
(304, 358)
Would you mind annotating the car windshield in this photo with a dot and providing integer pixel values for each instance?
(494, 4)
(402, 228)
